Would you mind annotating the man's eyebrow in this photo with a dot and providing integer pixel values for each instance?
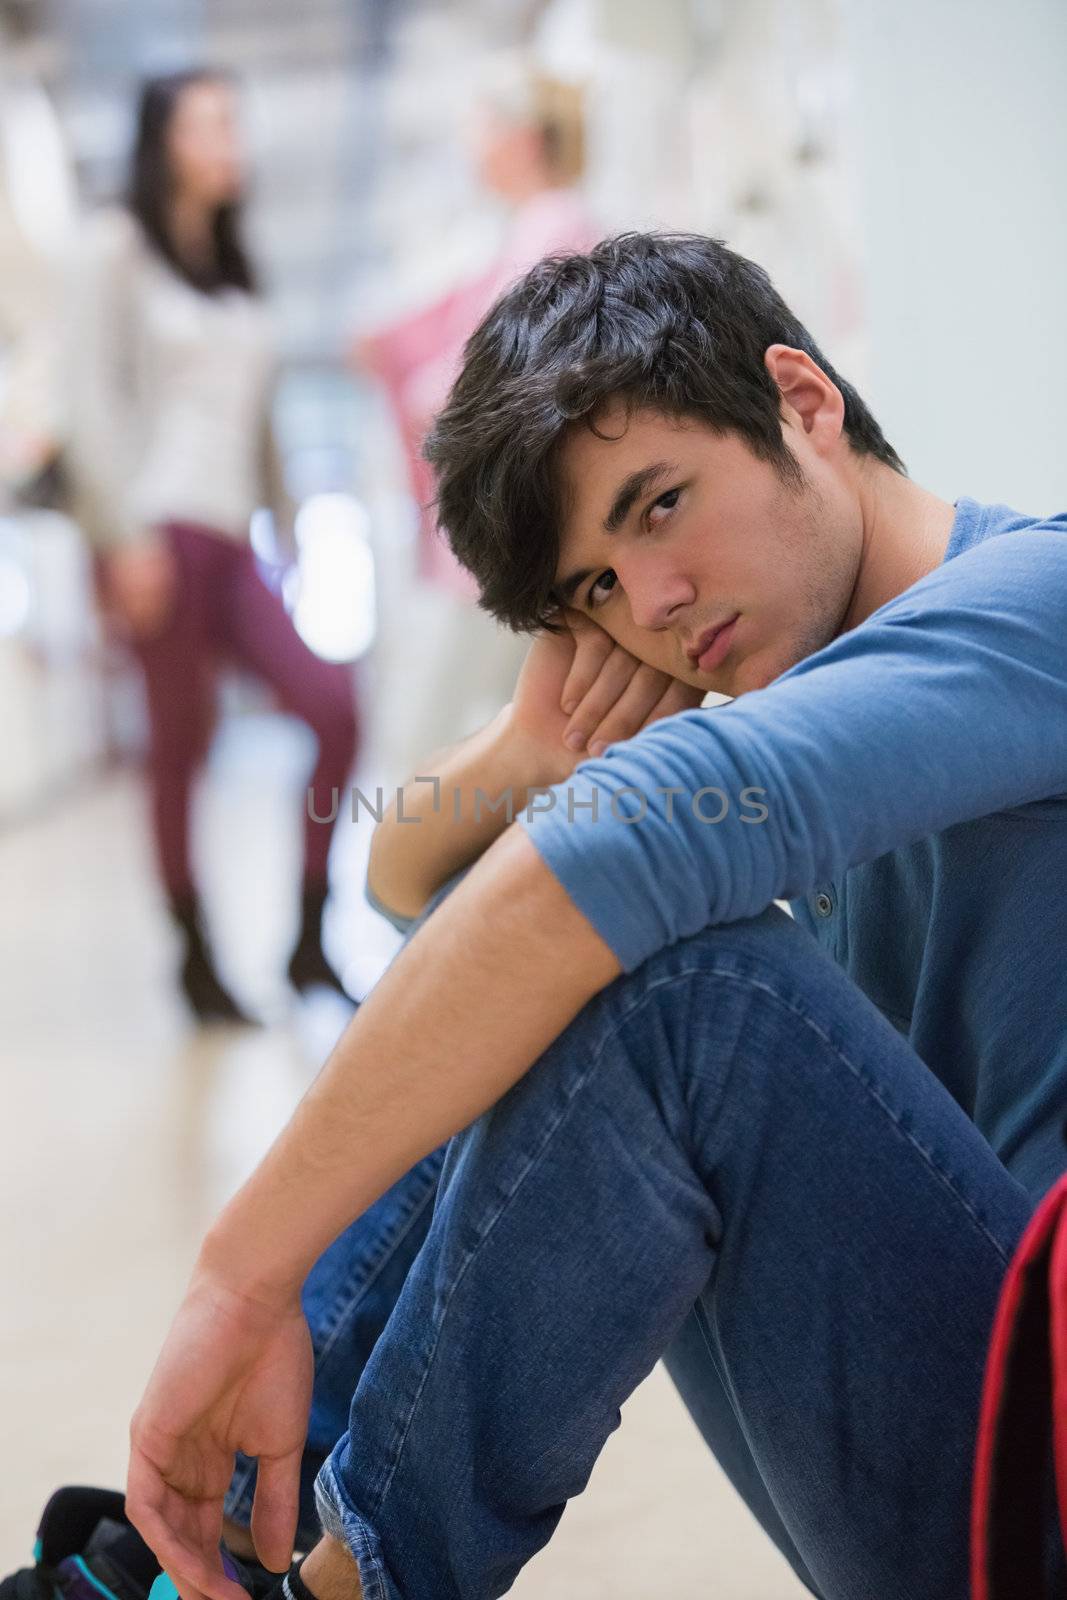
(630, 490)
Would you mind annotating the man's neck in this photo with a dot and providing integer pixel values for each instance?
(906, 530)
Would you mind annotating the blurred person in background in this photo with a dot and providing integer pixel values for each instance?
(170, 450)
(530, 157)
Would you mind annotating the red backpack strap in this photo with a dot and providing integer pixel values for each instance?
(1008, 1510)
(1058, 1295)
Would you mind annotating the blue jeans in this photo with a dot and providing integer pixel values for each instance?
(732, 1161)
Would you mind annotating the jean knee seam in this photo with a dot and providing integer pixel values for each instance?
(943, 1177)
(717, 970)
(721, 1371)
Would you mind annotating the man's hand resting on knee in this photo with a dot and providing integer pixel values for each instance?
(235, 1373)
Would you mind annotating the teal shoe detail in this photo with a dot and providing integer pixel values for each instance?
(163, 1589)
(91, 1577)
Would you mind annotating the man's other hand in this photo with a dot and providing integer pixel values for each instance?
(234, 1374)
(580, 684)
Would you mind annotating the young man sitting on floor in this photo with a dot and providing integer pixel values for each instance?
(791, 1156)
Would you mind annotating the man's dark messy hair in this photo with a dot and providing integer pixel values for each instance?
(676, 323)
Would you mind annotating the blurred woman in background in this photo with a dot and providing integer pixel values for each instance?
(170, 450)
(529, 153)
(530, 157)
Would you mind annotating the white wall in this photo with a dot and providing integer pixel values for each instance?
(960, 107)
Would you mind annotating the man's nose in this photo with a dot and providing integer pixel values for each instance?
(657, 599)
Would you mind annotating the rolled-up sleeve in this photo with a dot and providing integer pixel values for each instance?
(401, 923)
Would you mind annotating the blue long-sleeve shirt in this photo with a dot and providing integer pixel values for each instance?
(913, 812)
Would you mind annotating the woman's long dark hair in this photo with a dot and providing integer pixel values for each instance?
(151, 185)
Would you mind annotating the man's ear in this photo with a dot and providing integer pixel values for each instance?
(809, 400)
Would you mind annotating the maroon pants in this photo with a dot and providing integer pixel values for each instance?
(223, 609)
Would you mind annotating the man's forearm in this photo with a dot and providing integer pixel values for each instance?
(438, 827)
(465, 1009)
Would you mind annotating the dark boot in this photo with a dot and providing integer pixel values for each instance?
(199, 981)
(308, 966)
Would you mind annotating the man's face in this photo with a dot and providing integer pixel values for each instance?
(679, 530)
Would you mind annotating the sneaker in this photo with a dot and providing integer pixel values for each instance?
(87, 1549)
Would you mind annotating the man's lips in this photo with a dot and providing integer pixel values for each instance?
(712, 645)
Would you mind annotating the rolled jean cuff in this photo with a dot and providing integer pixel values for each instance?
(341, 1521)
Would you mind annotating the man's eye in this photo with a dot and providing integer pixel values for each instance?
(666, 502)
(602, 587)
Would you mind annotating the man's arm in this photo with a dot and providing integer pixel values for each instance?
(448, 815)
(465, 1009)
(463, 798)
(507, 948)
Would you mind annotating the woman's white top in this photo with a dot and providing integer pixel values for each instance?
(169, 390)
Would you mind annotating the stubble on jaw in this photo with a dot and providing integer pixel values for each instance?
(829, 569)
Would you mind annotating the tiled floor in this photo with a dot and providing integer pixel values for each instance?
(124, 1130)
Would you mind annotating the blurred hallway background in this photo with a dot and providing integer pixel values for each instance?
(896, 166)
